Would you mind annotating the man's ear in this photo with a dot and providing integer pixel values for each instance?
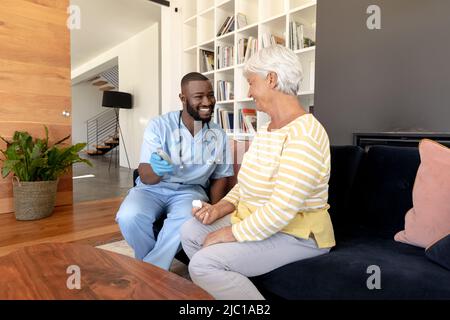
(272, 79)
(182, 97)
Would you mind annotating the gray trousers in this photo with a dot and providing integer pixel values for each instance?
(223, 269)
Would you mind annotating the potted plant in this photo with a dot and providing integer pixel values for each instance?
(37, 167)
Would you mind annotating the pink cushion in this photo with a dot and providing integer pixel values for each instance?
(429, 220)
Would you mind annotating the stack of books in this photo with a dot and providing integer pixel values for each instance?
(247, 48)
(296, 36)
(225, 56)
(225, 119)
(206, 60)
(227, 26)
(224, 90)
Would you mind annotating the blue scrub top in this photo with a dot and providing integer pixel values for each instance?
(205, 156)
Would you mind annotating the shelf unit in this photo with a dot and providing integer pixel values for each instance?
(202, 19)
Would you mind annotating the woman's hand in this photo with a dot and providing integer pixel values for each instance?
(208, 213)
(220, 236)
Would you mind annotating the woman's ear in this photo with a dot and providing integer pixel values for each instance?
(272, 79)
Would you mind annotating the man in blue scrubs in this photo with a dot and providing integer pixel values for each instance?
(200, 160)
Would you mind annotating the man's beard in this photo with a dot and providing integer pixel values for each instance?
(195, 114)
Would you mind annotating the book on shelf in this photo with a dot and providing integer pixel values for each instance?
(219, 33)
(206, 60)
(242, 48)
(230, 122)
(250, 123)
(252, 48)
(247, 120)
(224, 90)
(241, 20)
(225, 56)
(301, 36)
(228, 26)
(225, 119)
(291, 36)
(296, 35)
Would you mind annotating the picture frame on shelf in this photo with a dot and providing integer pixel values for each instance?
(241, 20)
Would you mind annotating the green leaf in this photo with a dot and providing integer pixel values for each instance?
(87, 162)
(8, 166)
(62, 140)
(5, 172)
(46, 135)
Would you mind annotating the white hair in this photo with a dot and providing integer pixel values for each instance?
(281, 60)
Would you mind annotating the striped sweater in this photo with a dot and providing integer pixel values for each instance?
(283, 184)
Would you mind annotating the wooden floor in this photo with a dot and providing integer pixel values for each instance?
(87, 222)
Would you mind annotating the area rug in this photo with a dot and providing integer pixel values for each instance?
(122, 247)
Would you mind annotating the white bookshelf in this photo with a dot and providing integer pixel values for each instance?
(202, 20)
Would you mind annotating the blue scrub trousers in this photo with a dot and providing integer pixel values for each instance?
(143, 206)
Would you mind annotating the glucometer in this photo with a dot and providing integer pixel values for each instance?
(164, 155)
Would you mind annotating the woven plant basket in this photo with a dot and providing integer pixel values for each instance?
(34, 200)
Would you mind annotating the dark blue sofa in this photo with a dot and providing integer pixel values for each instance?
(369, 194)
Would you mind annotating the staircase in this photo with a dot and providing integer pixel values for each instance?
(103, 129)
(102, 133)
(107, 80)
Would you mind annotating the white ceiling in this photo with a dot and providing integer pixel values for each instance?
(106, 23)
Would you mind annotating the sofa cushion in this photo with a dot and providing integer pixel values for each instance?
(342, 274)
(385, 188)
(429, 219)
(345, 165)
(439, 252)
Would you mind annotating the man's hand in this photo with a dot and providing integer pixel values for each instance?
(207, 214)
(220, 236)
(159, 166)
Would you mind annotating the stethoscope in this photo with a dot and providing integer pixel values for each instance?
(208, 132)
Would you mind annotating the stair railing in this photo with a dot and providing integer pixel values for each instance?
(101, 127)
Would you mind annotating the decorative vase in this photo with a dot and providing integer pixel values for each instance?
(35, 199)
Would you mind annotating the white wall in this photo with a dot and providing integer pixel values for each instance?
(86, 103)
(171, 57)
(139, 74)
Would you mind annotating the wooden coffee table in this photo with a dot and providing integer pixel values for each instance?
(40, 273)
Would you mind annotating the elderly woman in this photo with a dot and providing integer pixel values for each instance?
(277, 212)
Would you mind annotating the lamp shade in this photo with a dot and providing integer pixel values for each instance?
(116, 99)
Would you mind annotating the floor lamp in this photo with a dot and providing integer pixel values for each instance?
(118, 100)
